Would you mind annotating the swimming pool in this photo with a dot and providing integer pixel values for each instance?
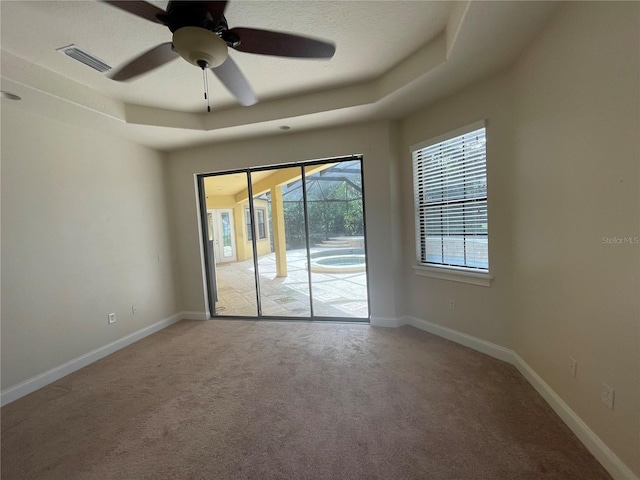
(339, 263)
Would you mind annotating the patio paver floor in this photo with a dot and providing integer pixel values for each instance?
(342, 295)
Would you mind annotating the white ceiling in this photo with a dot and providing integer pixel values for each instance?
(391, 57)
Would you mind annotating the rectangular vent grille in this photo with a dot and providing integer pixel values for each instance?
(84, 57)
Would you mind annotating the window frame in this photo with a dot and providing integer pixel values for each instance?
(262, 232)
(247, 222)
(465, 274)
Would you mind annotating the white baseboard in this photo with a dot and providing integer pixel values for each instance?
(475, 343)
(31, 385)
(609, 460)
(386, 322)
(194, 316)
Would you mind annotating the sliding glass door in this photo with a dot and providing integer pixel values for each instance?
(287, 242)
(230, 270)
(336, 230)
(282, 275)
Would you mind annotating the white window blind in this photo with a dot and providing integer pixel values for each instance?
(450, 188)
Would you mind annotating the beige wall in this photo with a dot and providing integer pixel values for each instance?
(83, 220)
(563, 159)
(576, 175)
(480, 311)
(372, 140)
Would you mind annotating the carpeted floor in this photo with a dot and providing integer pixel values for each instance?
(276, 400)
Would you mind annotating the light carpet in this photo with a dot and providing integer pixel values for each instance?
(278, 400)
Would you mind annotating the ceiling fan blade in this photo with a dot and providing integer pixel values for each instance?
(216, 9)
(232, 77)
(141, 9)
(265, 42)
(145, 62)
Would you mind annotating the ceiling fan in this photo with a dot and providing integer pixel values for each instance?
(202, 37)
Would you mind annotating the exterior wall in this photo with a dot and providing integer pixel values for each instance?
(220, 201)
(244, 248)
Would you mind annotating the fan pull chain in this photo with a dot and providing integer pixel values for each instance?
(205, 80)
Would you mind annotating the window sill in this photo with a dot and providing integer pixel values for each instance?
(454, 275)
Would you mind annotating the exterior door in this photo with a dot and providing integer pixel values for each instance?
(288, 241)
(223, 235)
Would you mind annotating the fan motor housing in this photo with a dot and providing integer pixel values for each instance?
(187, 14)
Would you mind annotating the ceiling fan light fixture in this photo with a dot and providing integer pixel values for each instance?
(197, 45)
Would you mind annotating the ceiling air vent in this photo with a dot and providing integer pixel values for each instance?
(84, 57)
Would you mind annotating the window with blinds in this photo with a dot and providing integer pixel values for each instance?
(450, 188)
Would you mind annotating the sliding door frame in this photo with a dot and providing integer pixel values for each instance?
(209, 260)
(207, 249)
(254, 243)
(305, 209)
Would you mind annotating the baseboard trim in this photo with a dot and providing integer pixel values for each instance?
(31, 385)
(475, 343)
(195, 315)
(386, 322)
(609, 460)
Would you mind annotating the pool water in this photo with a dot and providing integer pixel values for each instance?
(342, 260)
(339, 264)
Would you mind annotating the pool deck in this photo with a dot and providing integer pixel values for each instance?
(336, 295)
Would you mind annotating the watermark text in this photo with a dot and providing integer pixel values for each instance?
(621, 240)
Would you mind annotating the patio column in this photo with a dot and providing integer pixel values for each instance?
(239, 227)
(279, 242)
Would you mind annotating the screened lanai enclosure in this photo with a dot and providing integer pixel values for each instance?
(286, 241)
(334, 206)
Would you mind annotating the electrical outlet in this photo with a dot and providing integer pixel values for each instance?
(573, 367)
(606, 395)
(160, 258)
(452, 304)
(111, 318)
(134, 309)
